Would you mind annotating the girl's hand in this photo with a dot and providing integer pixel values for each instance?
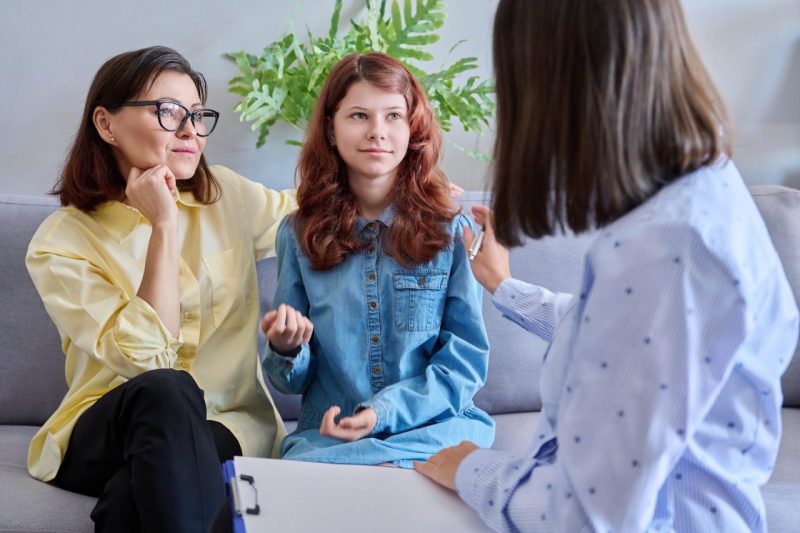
(150, 191)
(287, 329)
(349, 428)
(442, 467)
(491, 265)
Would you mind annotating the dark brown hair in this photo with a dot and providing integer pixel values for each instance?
(91, 174)
(599, 105)
(328, 211)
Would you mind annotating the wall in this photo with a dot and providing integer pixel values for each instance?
(51, 49)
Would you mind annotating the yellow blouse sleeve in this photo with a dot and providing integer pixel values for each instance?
(265, 208)
(121, 332)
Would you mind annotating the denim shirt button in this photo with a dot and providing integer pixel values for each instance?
(373, 305)
(375, 339)
(376, 370)
(421, 281)
(371, 276)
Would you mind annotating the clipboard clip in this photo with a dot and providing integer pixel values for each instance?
(237, 503)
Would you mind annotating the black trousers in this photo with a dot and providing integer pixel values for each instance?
(146, 450)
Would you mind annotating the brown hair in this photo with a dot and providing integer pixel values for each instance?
(328, 211)
(599, 105)
(91, 174)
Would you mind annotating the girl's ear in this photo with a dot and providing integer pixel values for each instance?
(102, 122)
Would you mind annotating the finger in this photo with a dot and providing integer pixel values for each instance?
(480, 213)
(279, 326)
(268, 320)
(291, 324)
(134, 173)
(426, 469)
(455, 191)
(468, 237)
(329, 421)
(353, 422)
(485, 217)
(300, 327)
(169, 179)
(309, 330)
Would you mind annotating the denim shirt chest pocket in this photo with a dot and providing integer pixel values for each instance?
(419, 296)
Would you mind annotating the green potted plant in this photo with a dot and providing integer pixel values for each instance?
(282, 84)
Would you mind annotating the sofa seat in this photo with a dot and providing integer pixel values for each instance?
(28, 505)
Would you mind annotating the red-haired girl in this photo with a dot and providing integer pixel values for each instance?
(374, 264)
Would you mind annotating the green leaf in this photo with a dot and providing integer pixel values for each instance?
(334, 28)
(397, 20)
(282, 84)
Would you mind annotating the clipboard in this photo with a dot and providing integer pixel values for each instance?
(232, 489)
(283, 495)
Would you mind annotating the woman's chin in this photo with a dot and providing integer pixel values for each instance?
(183, 172)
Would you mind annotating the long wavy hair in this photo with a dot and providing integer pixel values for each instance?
(328, 210)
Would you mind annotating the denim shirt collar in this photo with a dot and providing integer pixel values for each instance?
(386, 217)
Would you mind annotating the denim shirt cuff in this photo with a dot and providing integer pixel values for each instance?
(380, 411)
(286, 366)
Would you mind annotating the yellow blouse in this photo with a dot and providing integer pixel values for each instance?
(87, 269)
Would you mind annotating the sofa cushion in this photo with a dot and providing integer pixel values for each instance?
(780, 208)
(32, 382)
(27, 504)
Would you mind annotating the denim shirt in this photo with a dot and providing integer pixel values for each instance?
(408, 342)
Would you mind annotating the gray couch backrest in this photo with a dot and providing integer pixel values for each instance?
(32, 378)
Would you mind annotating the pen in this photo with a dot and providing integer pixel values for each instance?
(476, 245)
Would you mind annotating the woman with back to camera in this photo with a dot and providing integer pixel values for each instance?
(148, 271)
(661, 387)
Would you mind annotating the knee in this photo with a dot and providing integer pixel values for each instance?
(167, 388)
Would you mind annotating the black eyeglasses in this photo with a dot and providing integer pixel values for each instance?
(172, 116)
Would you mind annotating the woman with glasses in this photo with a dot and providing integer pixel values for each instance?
(148, 271)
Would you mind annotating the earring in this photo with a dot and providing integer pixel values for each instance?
(112, 139)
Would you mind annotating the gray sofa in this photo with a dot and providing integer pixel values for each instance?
(32, 376)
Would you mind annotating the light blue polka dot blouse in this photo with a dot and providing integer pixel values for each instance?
(661, 388)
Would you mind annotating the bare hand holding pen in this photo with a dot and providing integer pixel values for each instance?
(491, 264)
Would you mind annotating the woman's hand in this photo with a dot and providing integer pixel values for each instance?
(151, 192)
(491, 265)
(455, 190)
(287, 329)
(349, 428)
(442, 467)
